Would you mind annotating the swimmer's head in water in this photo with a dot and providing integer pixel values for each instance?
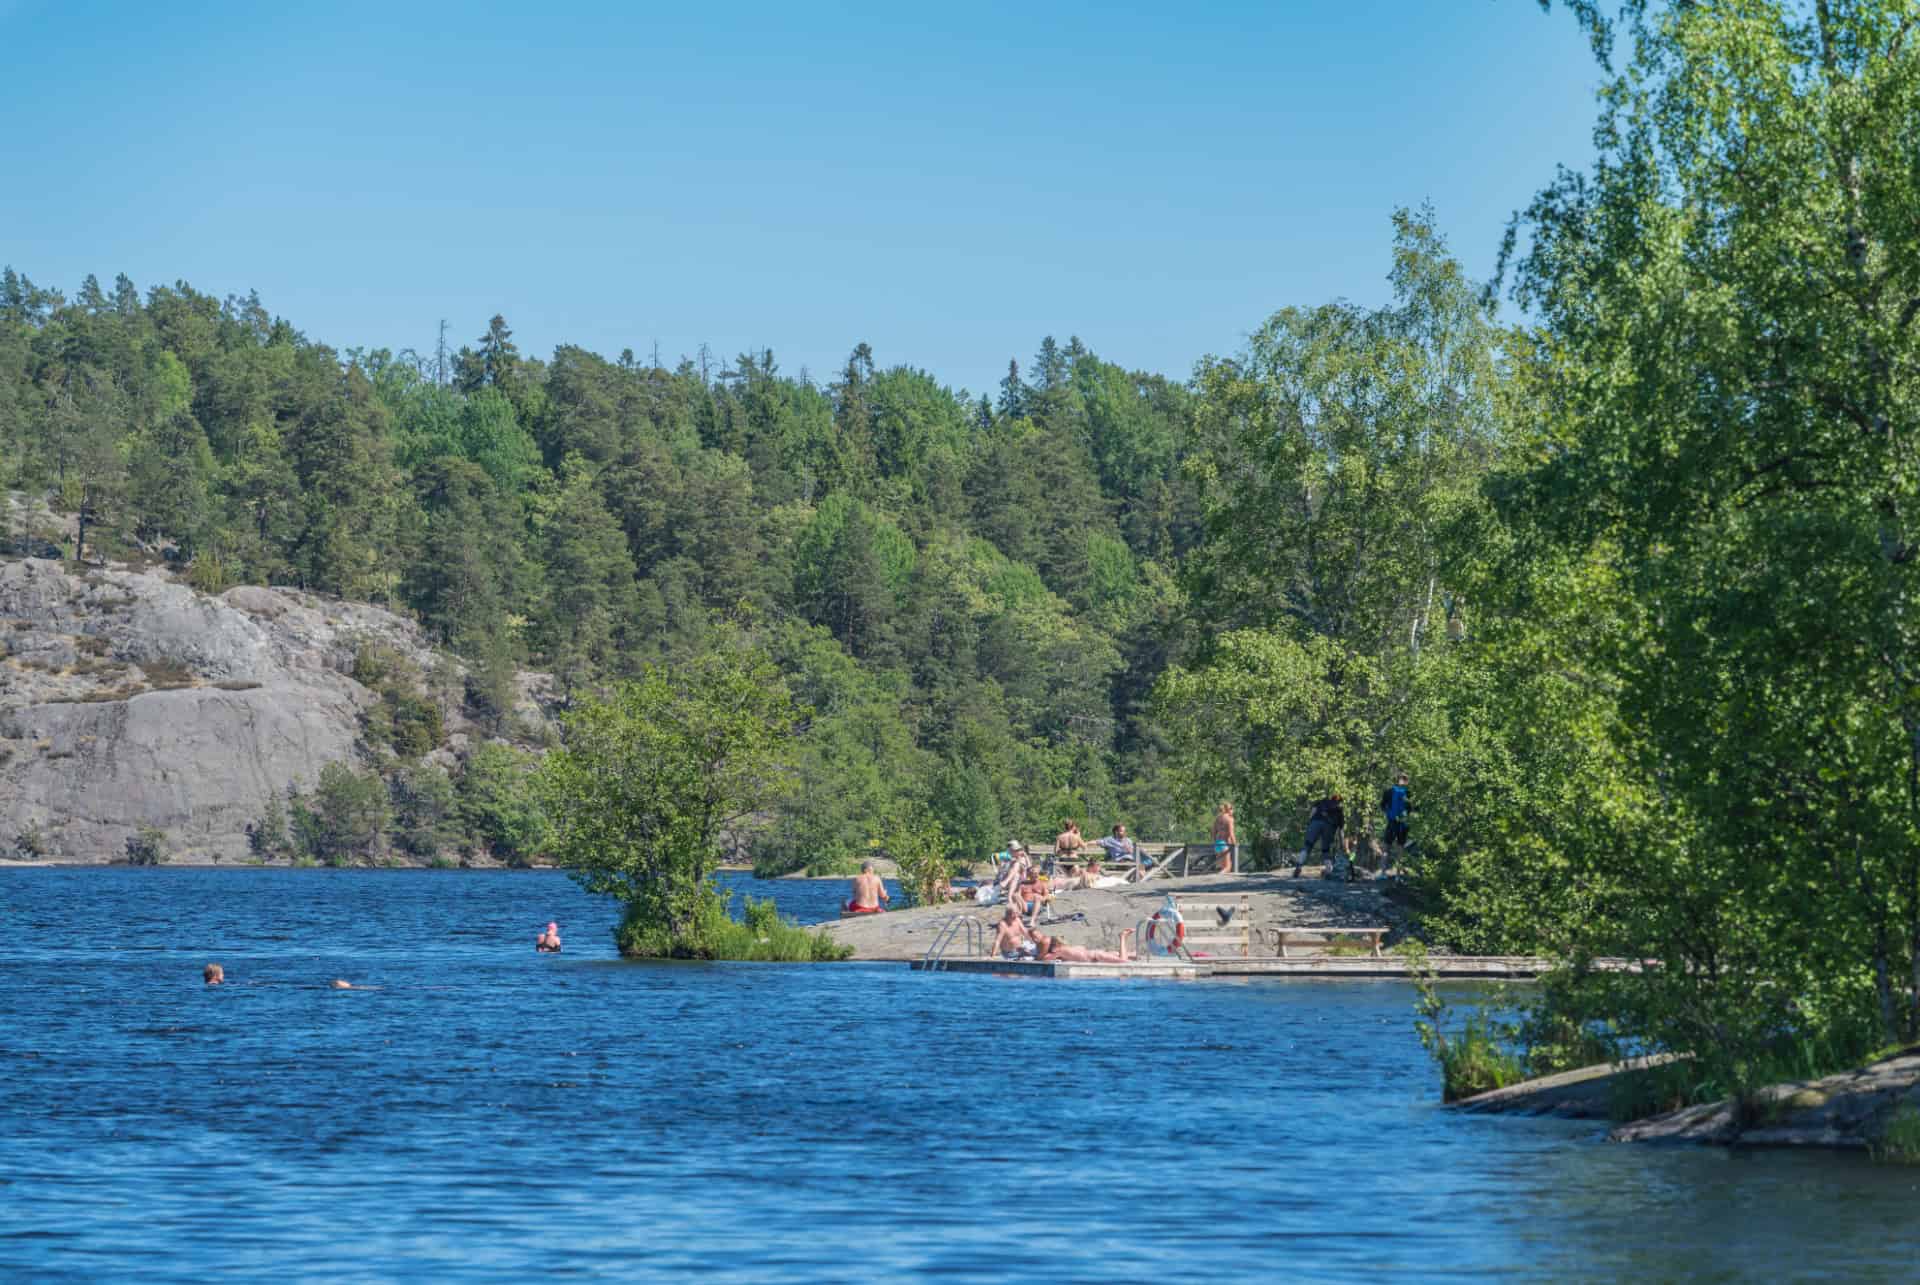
(213, 974)
(341, 984)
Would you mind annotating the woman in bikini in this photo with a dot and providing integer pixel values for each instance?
(1053, 950)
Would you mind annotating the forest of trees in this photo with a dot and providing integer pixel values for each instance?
(1628, 584)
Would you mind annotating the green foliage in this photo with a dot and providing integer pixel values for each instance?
(919, 847)
(344, 820)
(762, 935)
(407, 720)
(31, 844)
(1899, 1140)
(648, 781)
(147, 846)
(267, 836)
(424, 811)
(1474, 1055)
(497, 804)
(1717, 407)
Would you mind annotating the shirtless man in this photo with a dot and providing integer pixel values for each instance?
(1011, 937)
(868, 892)
(548, 942)
(1052, 949)
(1035, 893)
(1223, 838)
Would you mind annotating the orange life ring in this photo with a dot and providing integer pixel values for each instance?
(1179, 933)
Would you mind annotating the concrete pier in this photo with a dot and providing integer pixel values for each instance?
(1446, 967)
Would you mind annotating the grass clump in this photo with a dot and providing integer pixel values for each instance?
(1473, 1058)
(762, 935)
(166, 674)
(1899, 1140)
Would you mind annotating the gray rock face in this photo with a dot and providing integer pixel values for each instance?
(128, 700)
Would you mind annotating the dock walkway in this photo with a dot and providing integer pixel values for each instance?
(1446, 967)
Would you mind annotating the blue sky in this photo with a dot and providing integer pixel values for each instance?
(948, 183)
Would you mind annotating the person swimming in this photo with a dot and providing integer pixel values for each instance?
(548, 942)
(213, 975)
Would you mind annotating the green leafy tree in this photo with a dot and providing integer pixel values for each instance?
(1727, 405)
(648, 783)
(344, 819)
(497, 804)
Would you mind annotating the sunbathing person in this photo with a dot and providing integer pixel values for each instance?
(1054, 950)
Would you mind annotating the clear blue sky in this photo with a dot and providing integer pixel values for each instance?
(947, 182)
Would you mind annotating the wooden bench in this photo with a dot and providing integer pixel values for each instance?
(1281, 937)
(1205, 929)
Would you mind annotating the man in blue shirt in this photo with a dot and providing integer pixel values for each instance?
(1395, 804)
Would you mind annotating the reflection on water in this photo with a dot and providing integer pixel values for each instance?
(490, 1113)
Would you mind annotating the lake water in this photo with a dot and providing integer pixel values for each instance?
(492, 1114)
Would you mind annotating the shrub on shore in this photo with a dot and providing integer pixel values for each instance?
(1474, 1057)
(762, 935)
(147, 847)
(1899, 1140)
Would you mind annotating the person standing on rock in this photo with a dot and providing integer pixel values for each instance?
(1325, 824)
(1225, 845)
(1395, 804)
(1067, 844)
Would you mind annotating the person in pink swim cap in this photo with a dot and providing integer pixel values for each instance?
(548, 941)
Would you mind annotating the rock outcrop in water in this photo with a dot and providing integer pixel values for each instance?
(1874, 1108)
(129, 700)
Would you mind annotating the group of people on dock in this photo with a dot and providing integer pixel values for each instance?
(1015, 938)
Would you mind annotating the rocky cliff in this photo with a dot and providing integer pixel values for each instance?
(129, 700)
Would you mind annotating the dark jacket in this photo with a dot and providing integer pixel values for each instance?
(1330, 811)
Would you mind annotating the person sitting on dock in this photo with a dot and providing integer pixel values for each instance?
(869, 891)
(1054, 950)
(548, 942)
(1019, 867)
(1119, 847)
(1012, 940)
(1035, 894)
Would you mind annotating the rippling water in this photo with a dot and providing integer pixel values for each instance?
(489, 1113)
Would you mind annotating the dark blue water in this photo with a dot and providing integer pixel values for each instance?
(493, 1114)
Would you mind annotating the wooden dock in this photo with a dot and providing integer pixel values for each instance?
(1446, 967)
(1176, 968)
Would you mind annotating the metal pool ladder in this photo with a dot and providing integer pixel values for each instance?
(952, 927)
